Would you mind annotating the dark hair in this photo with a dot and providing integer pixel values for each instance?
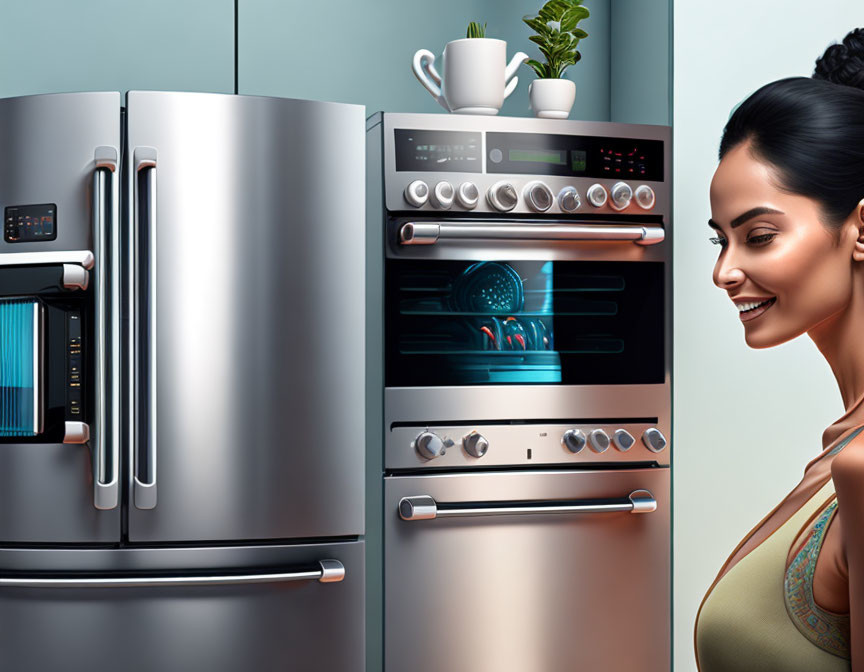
(812, 130)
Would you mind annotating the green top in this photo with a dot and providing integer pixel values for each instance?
(762, 617)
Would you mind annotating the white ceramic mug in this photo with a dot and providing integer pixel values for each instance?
(477, 77)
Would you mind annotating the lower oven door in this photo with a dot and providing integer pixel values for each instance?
(481, 577)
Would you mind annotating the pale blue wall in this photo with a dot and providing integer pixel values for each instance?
(362, 54)
(51, 46)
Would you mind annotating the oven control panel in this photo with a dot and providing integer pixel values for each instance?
(467, 446)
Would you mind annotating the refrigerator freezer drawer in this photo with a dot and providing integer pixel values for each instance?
(528, 572)
(162, 616)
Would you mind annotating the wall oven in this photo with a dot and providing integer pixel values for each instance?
(524, 287)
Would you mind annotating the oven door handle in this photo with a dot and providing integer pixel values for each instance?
(328, 571)
(429, 233)
(424, 507)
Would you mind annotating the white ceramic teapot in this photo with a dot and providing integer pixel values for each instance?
(477, 77)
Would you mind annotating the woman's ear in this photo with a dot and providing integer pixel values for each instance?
(858, 250)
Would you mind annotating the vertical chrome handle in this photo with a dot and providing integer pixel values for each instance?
(144, 177)
(106, 462)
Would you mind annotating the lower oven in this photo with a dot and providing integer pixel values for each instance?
(540, 571)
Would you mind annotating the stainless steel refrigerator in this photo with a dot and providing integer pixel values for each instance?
(181, 383)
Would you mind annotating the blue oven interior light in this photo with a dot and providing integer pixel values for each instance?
(18, 335)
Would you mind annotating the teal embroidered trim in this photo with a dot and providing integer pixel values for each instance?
(827, 630)
(840, 446)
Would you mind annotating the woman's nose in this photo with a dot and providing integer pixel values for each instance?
(727, 274)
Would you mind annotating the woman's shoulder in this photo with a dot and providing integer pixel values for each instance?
(847, 468)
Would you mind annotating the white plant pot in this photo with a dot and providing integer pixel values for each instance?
(552, 98)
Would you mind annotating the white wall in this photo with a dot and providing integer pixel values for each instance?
(746, 422)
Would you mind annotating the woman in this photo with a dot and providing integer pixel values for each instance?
(787, 204)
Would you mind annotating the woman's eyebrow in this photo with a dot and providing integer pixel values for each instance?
(750, 214)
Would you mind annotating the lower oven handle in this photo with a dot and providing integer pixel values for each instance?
(329, 571)
(429, 233)
(424, 507)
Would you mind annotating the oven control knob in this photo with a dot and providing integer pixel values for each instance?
(644, 196)
(623, 440)
(596, 195)
(443, 195)
(538, 196)
(568, 199)
(417, 193)
(468, 195)
(653, 438)
(620, 196)
(598, 440)
(502, 196)
(475, 444)
(429, 445)
(573, 440)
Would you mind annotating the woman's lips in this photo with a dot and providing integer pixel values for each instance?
(748, 315)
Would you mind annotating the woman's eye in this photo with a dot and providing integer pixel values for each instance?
(718, 241)
(763, 238)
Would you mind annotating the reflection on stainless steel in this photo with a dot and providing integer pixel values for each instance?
(423, 507)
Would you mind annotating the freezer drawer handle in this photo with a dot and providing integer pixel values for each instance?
(329, 571)
(429, 233)
(82, 258)
(424, 507)
(144, 490)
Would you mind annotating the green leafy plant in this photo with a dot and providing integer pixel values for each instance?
(557, 36)
(476, 30)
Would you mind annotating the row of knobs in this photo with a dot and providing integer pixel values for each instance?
(503, 196)
(429, 445)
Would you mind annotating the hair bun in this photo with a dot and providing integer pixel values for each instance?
(843, 63)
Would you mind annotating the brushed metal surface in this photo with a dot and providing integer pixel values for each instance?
(48, 146)
(528, 593)
(260, 316)
(267, 627)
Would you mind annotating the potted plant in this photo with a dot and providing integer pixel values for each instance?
(477, 77)
(557, 35)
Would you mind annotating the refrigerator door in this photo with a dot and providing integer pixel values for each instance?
(470, 586)
(275, 615)
(58, 196)
(248, 319)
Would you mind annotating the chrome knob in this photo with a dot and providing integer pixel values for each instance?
(429, 445)
(468, 195)
(568, 199)
(598, 440)
(653, 439)
(620, 196)
(502, 196)
(443, 195)
(623, 440)
(596, 195)
(573, 440)
(644, 197)
(475, 444)
(538, 196)
(417, 193)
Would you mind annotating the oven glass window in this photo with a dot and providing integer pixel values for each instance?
(451, 323)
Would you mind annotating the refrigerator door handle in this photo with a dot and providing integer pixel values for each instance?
(328, 571)
(106, 469)
(144, 179)
(429, 233)
(424, 507)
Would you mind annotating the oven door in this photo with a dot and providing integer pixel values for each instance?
(528, 572)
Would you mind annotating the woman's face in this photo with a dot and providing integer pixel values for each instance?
(775, 252)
